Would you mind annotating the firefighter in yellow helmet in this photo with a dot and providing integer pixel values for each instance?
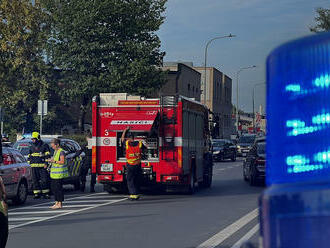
(39, 152)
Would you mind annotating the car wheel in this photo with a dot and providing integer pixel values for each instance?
(21, 194)
(253, 177)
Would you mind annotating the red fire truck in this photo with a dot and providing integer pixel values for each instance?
(176, 130)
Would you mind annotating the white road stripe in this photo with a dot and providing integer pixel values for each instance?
(229, 230)
(67, 206)
(86, 201)
(246, 237)
(66, 213)
(24, 219)
(46, 203)
(40, 212)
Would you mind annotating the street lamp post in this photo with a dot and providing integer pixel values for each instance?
(254, 86)
(205, 57)
(237, 74)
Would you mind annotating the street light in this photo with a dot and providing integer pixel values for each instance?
(254, 86)
(237, 74)
(205, 57)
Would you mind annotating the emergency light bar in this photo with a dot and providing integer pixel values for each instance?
(298, 111)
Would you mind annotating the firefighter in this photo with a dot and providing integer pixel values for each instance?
(133, 167)
(87, 165)
(39, 152)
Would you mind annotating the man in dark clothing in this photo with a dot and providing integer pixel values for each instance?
(39, 152)
(86, 166)
(133, 167)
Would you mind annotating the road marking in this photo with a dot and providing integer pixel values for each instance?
(229, 230)
(46, 203)
(68, 206)
(246, 237)
(40, 212)
(94, 201)
(22, 219)
(65, 213)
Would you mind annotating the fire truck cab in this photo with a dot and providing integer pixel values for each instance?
(175, 130)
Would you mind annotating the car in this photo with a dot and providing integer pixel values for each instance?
(244, 144)
(74, 157)
(16, 174)
(254, 166)
(223, 149)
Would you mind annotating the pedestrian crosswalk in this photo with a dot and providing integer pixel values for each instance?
(24, 216)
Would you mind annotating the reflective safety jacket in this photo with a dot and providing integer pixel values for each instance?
(38, 153)
(58, 171)
(133, 153)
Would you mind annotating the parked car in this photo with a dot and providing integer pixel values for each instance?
(16, 174)
(73, 156)
(223, 149)
(244, 144)
(254, 166)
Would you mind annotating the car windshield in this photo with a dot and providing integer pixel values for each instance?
(261, 147)
(246, 139)
(218, 143)
(23, 148)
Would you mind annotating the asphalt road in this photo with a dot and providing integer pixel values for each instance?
(221, 216)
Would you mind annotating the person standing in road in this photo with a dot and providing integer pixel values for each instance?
(87, 165)
(39, 152)
(58, 171)
(133, 156)
(3, 216)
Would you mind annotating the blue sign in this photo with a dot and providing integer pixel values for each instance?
(298, 111)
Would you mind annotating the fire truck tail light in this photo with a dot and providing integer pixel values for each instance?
(180, 157)
(94, 159)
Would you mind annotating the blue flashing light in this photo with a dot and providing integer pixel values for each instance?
(298, 111)
(293, 88)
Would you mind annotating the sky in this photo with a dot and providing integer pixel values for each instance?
(259, 26)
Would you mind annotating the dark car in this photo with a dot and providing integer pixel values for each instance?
(73, 156)
(223, 149)
(244, 144)
(255, 164)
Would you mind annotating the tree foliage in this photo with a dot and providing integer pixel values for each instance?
(24, 74)
(106, 46)
(322, 20)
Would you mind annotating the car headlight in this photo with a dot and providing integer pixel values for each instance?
(238, 147)
(216, 152)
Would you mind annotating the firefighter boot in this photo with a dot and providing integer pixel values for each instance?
(36, 196)
(83, 186)
(46, 196)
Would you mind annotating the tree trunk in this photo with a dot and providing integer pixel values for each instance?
(82, 114)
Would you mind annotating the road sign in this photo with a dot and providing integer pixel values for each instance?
(42, 107)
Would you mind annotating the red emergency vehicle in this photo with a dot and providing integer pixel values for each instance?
(175, 128)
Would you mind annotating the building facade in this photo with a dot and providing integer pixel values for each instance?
(218, 97)
(182, 80)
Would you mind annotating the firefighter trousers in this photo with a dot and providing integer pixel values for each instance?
(40, 180)
(133, 178)
(3, 230)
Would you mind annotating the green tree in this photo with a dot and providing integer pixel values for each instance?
(106, 46)
(322, 20)
(24, 74)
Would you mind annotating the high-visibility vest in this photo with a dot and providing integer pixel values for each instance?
(133, 153)
(58, 171)
(38, 154)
